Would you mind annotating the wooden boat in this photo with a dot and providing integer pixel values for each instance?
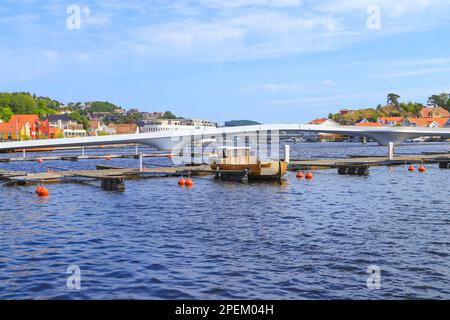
(235, 160)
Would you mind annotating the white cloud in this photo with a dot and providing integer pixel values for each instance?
(392, 8)
(340, 99)
(50, 55)
(216, 30)
(246, 3)
(245, 36)
(414, 73)
(330, 83)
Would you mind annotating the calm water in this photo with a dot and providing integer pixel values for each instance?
(220, 240)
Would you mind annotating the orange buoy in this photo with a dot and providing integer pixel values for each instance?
(309, 176)
(38, 188)
(108, 158)
(43, 192)
(40, 160)
(300, 175)
(422, 169)
(189, 182)
(169, 156)
(411, 168)
(181, 182)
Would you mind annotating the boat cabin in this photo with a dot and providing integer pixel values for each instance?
(234, 155)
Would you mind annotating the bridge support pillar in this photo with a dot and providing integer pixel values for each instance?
(391, 151)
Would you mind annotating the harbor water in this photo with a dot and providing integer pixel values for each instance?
(225, 240)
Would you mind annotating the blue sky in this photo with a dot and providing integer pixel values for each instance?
(266, 60)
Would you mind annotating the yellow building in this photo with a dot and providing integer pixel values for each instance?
(15, 131)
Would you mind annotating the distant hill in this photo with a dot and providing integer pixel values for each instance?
(238, 123)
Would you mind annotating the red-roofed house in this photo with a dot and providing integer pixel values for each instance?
(125, 128)
(314, 136)
(442, 122)
(324, 121)
(390, 121)
(97, 128)
(24, 127)
(428, 122)
(436, 112)
(369, 124)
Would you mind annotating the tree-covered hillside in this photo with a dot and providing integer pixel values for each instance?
(392, 108)
(93, 106)
(237, 123)
(25, 103)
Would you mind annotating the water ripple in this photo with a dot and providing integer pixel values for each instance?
(300, 240)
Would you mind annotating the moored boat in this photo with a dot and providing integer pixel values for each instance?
(233, 160)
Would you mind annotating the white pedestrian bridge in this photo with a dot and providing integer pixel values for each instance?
(167, 140)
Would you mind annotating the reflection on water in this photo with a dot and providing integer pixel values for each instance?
(301, 239)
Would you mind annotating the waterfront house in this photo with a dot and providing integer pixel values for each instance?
(344, 112)
(13, 132)
(55, 133)
(427, 122)
(198, 123)
(97, 128)
(441, 122)
(368, 124)
(60, 120)
(159, 125)
(69, 126)
(318, 136)
(24, 127)
(39, 129)
(390, 121)
(125, 128)
(434, 112)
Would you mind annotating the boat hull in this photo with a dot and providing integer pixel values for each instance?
(257, 171)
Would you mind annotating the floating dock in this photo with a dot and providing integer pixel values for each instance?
(317, 164)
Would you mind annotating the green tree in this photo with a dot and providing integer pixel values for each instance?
(412, 107)
(169, 115)
(80, 118)
(440, 100)
(392, 99)
(100, 106)
(25, 103)
(5, 114)
(236, 123)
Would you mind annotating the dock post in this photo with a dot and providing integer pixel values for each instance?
(24, 154)
(287, 151)
(136, 150)
(391, 151)
(141, 164)
(82, 151)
